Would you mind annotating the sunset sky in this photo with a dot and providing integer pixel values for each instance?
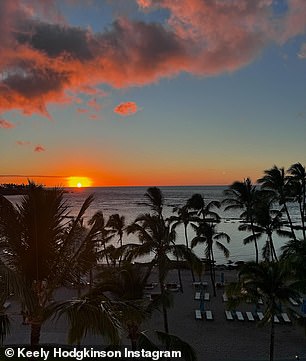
(150, 92)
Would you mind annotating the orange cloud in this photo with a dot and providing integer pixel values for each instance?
(39, 148)
(126, 109)
(23, 142)
(93, 103)
(82, 110)
(5, 124)
(45, 61)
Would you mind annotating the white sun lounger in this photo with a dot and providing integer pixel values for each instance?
(293, 302)
(276, 319)
(224, 297)
(260, 316)
(209, 315)
(197, 296)
(239, 316)
(198, 315)
(250, 316)
(229, 316)
(285, 317)
(260, 301)
(206, 296)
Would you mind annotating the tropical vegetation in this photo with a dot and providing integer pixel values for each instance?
(43, 247)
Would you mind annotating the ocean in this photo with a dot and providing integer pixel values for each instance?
(127, 202)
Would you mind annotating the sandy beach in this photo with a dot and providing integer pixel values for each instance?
(228, 340)
(218, 339)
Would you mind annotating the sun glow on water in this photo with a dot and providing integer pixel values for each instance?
(79, 182)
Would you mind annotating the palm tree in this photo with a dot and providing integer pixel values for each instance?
(155, 200)
(157, 236)
(242, 195)
(276, 181)
(124, 310)
(266, 221)
(117, 225)
(197, 202)
(297, 181)
(206, 234)
(271, 282)
(103, 236)
(93, 312)
(127, 287)
(40, 246)
(294, 252)
(184, 217)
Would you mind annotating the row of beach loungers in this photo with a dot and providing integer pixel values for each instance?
(238, 315)
(249, 316)
(207, 314)
(206, 296)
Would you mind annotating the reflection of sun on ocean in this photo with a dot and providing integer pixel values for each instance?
(79, 182)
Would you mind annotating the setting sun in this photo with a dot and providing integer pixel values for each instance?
(79, 182)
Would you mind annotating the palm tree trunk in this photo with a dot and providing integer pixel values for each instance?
(187, 245)
(35, 333)
(162, 290)
(165, 313)
(272, 248)
(180, 278)
(120, 258)
(90, 278)
(133, 333)
(272, 335)
(302, 220)
(165, 316)
(255, 241)
(289, 219)
(213, 271)
(303, 208)
(106, 257)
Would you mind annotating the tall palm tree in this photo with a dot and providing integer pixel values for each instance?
(117, 225)
(297, 181)
(266, 221)
(275, 180)
(155, 200)
(206, 234)
(197, 202)
(157, 237)
(242, 195)
(103, 235)
(184, 217)
(40, 246)
(271, 282)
